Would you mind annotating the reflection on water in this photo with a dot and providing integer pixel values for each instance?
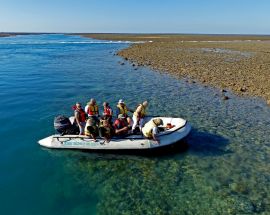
(224, 170)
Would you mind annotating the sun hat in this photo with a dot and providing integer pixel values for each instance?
(121, 116)
(121, 101)
(145, 103)
(158, 121)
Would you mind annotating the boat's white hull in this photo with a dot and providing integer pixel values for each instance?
(132, 142)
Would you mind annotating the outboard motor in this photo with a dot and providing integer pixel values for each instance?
(63, 125)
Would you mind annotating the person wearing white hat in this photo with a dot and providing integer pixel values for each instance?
(122, 108)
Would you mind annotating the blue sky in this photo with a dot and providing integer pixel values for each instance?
(137, 16)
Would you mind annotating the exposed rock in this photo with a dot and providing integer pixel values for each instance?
(225, 97)
(242, 89)
(243, 68)
(223, 90)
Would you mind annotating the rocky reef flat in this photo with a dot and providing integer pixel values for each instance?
(239, 63)
(5, 35)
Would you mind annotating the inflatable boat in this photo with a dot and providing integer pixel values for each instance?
(168, 135)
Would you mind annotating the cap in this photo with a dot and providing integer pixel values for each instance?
(121, 116)
(121, 101)
(158, 121)
(145, 103)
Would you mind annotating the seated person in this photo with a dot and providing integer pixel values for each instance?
(106, 130)
(91, 128)
(121, 126)
(150, 129)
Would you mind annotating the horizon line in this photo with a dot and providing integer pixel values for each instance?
(141, 33)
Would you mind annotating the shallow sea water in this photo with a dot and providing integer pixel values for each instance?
(224, 170)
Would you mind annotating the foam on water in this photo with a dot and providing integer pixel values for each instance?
(69, 42)
(54, 40)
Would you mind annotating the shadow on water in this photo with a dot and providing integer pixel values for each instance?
(207, 144)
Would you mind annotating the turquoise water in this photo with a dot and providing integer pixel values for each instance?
(225, 169)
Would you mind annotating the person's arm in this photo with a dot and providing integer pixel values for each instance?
(154, 135)
(119, 130)
(93, 137)
(98, 111)
(77, 119)
(111, 112)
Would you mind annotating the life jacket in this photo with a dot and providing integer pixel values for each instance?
(123, 110)
(142, 113)
(82, 115)
(92, 124)
(147, 129)
(105, 129)
(107, 111)
(102, 121)
(92, 110)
